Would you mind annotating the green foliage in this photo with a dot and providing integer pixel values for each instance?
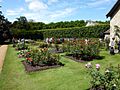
(22, 23)
(43, 45)
(83, 32)
(109, 80)
(81, 49)
(21, 46)
(43, 57)
(4, 28)
(27, 34)
(90, 32)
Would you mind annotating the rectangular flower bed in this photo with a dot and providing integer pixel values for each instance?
(30, 68)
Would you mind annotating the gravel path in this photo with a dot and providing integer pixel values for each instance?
(3, 50)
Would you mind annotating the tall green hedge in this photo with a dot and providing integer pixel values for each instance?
(31, 34)
(90, 32)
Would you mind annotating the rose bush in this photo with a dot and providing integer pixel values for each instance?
(42, 57)
(82, 50)
(109, 80)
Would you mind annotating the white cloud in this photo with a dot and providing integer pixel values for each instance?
(95, 3)
(10, 12)
(52, 1)
(37, 17)
(62, 13)
(37, 5)
(28, 0)
(49, 16)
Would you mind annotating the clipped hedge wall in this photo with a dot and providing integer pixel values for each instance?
(81, 32)
(32, 34)
(90, 32)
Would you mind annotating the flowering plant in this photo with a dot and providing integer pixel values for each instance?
(109, 80)
(21, 46)
(41, 57)
(82, 50)
(24, 53)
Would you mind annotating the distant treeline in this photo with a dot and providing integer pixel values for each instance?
(23, 23)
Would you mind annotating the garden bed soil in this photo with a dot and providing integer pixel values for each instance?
(82, 60)
(30, 68)
(97, 88)
(75, 59)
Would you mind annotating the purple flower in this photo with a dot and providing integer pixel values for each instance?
(97, 66)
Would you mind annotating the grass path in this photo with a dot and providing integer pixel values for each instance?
(3, 50)
(73, 76)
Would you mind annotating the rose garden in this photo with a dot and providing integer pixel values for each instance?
(80, 63)
(58, 56)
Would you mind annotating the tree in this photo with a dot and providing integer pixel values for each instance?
(4, 28)
(21, 23)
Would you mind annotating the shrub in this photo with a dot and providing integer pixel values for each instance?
(43, 45)
(109, 80)
(82, 50)
(90, 32)
(81, 32)
(30, 34)
(21, 46)
(42, 57)
(24, 53)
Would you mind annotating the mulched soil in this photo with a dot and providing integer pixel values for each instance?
(97, 88)
(30, 68)
(81, 60)
(74, 59)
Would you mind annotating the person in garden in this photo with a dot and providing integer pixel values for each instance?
(13, 41)
(112, 46)
(118, 46)
(47, 40)
(112, 51)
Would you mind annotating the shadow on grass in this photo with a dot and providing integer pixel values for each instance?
(100, 57)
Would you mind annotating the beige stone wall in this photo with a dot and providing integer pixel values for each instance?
(114, 21)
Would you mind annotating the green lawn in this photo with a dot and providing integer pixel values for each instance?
(73, 76)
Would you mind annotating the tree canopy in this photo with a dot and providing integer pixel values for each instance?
(23, 23)
(4, 28)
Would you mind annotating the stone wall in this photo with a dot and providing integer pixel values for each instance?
(115, 21)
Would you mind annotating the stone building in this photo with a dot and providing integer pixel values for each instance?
(114, 15)
(91, 23)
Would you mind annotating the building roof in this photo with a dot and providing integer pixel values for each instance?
(114, 9)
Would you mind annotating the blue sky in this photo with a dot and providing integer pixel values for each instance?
(57, 10)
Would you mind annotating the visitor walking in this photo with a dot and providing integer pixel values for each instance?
(13, 41)
(112, 46)
(118, 46)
